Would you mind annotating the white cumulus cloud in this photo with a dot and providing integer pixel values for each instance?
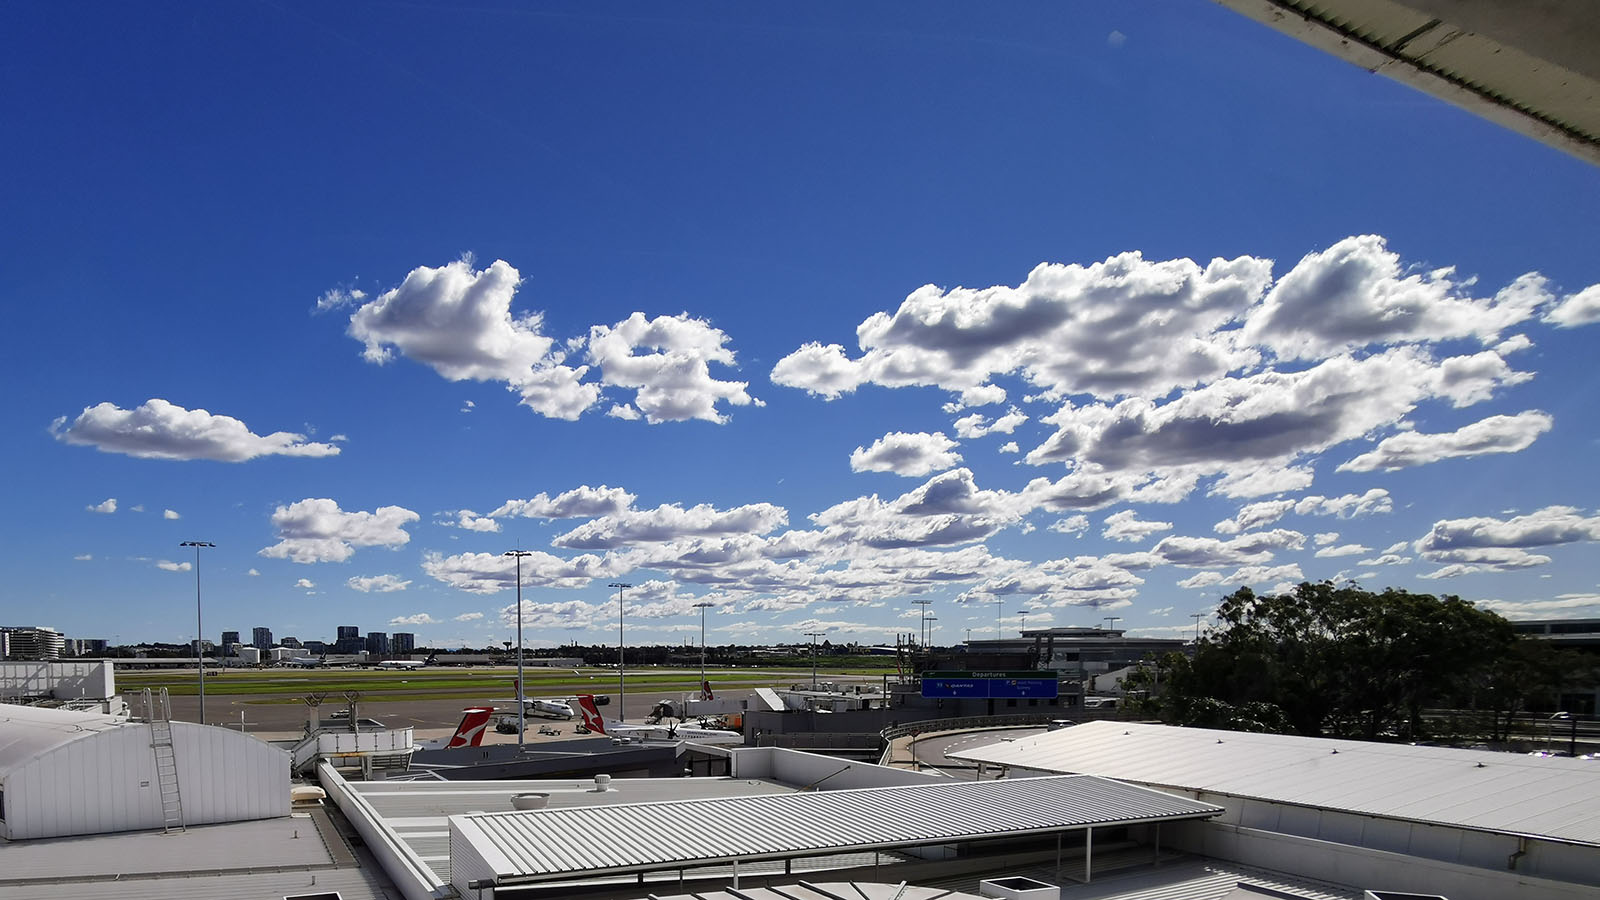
(1345, 506)
(382, 584)
(912, 454)
(1073, 525)
(673, 379)
(170, 514)
(458, 320)
(580, 502)
(417, 619)
(977, 425)
(305, 583)
(470, 521)
(488, 573)
(105, 507)
(1127, 526)
(317, 530)
(160, 430)
(1485, 544)
(671, 522)
(1355, 294)
(1496, 434)
(1123, 326)
(1582, 308)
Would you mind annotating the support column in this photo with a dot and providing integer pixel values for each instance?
(1088, 855)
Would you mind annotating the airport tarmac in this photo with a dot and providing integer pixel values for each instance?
(423, 715)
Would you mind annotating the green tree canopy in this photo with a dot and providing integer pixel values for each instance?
(1327, 659)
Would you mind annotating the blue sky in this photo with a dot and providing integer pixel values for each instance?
(808, 311)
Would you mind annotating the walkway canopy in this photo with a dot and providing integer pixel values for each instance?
(514, 848)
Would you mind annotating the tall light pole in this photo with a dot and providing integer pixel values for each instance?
(1197, 617)
(814, 635)
(1113, 621)
(922, 623)
(703, 605)
(999, 606)
(522, 705)
(622, 690)
(1024, 629)
(199, 629)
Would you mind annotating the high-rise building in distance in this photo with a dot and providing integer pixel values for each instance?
(261, 638)
(402, 643)
(31, 642)
(377, 644)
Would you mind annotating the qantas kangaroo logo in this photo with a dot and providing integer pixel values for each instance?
(470, 732)
(592, 719)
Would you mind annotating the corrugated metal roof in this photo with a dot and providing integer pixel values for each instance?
(831, 890)
(1532, 70)
(28, 731)
(1479, 789)
(424, 801)
(638, 837)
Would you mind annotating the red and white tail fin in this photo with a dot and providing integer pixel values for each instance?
(592, 719)
(470, 732)
(516, 687)
(705, 691)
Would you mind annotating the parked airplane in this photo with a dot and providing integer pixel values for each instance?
(468, 734)
(306, 662)
(595, 722)
(407, 663)
(548, 707)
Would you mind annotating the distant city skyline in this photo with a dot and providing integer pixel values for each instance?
(1045, 312)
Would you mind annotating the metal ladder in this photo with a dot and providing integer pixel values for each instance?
(160, 715)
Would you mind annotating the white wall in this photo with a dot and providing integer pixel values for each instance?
(1360, 867)
(466, 863)
(90, 679)
(106, 782)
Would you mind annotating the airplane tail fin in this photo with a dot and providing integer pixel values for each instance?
(592, 719)
(516, 686)
(429, 660)
(470, 732)
(705, 691)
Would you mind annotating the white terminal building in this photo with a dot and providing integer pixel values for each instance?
(1099, 811)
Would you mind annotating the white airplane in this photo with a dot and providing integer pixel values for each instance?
(407, 663)
(468, 734)
(595, 722)
(548, 707)
(306, 662)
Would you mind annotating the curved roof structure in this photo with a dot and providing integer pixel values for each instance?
(27, 732)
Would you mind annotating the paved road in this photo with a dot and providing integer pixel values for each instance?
(444, 714)
(932, 751)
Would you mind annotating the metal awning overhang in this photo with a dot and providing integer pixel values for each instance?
(562, 844)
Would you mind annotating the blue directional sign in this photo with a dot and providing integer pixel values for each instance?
(955, 687)
(991, 685)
